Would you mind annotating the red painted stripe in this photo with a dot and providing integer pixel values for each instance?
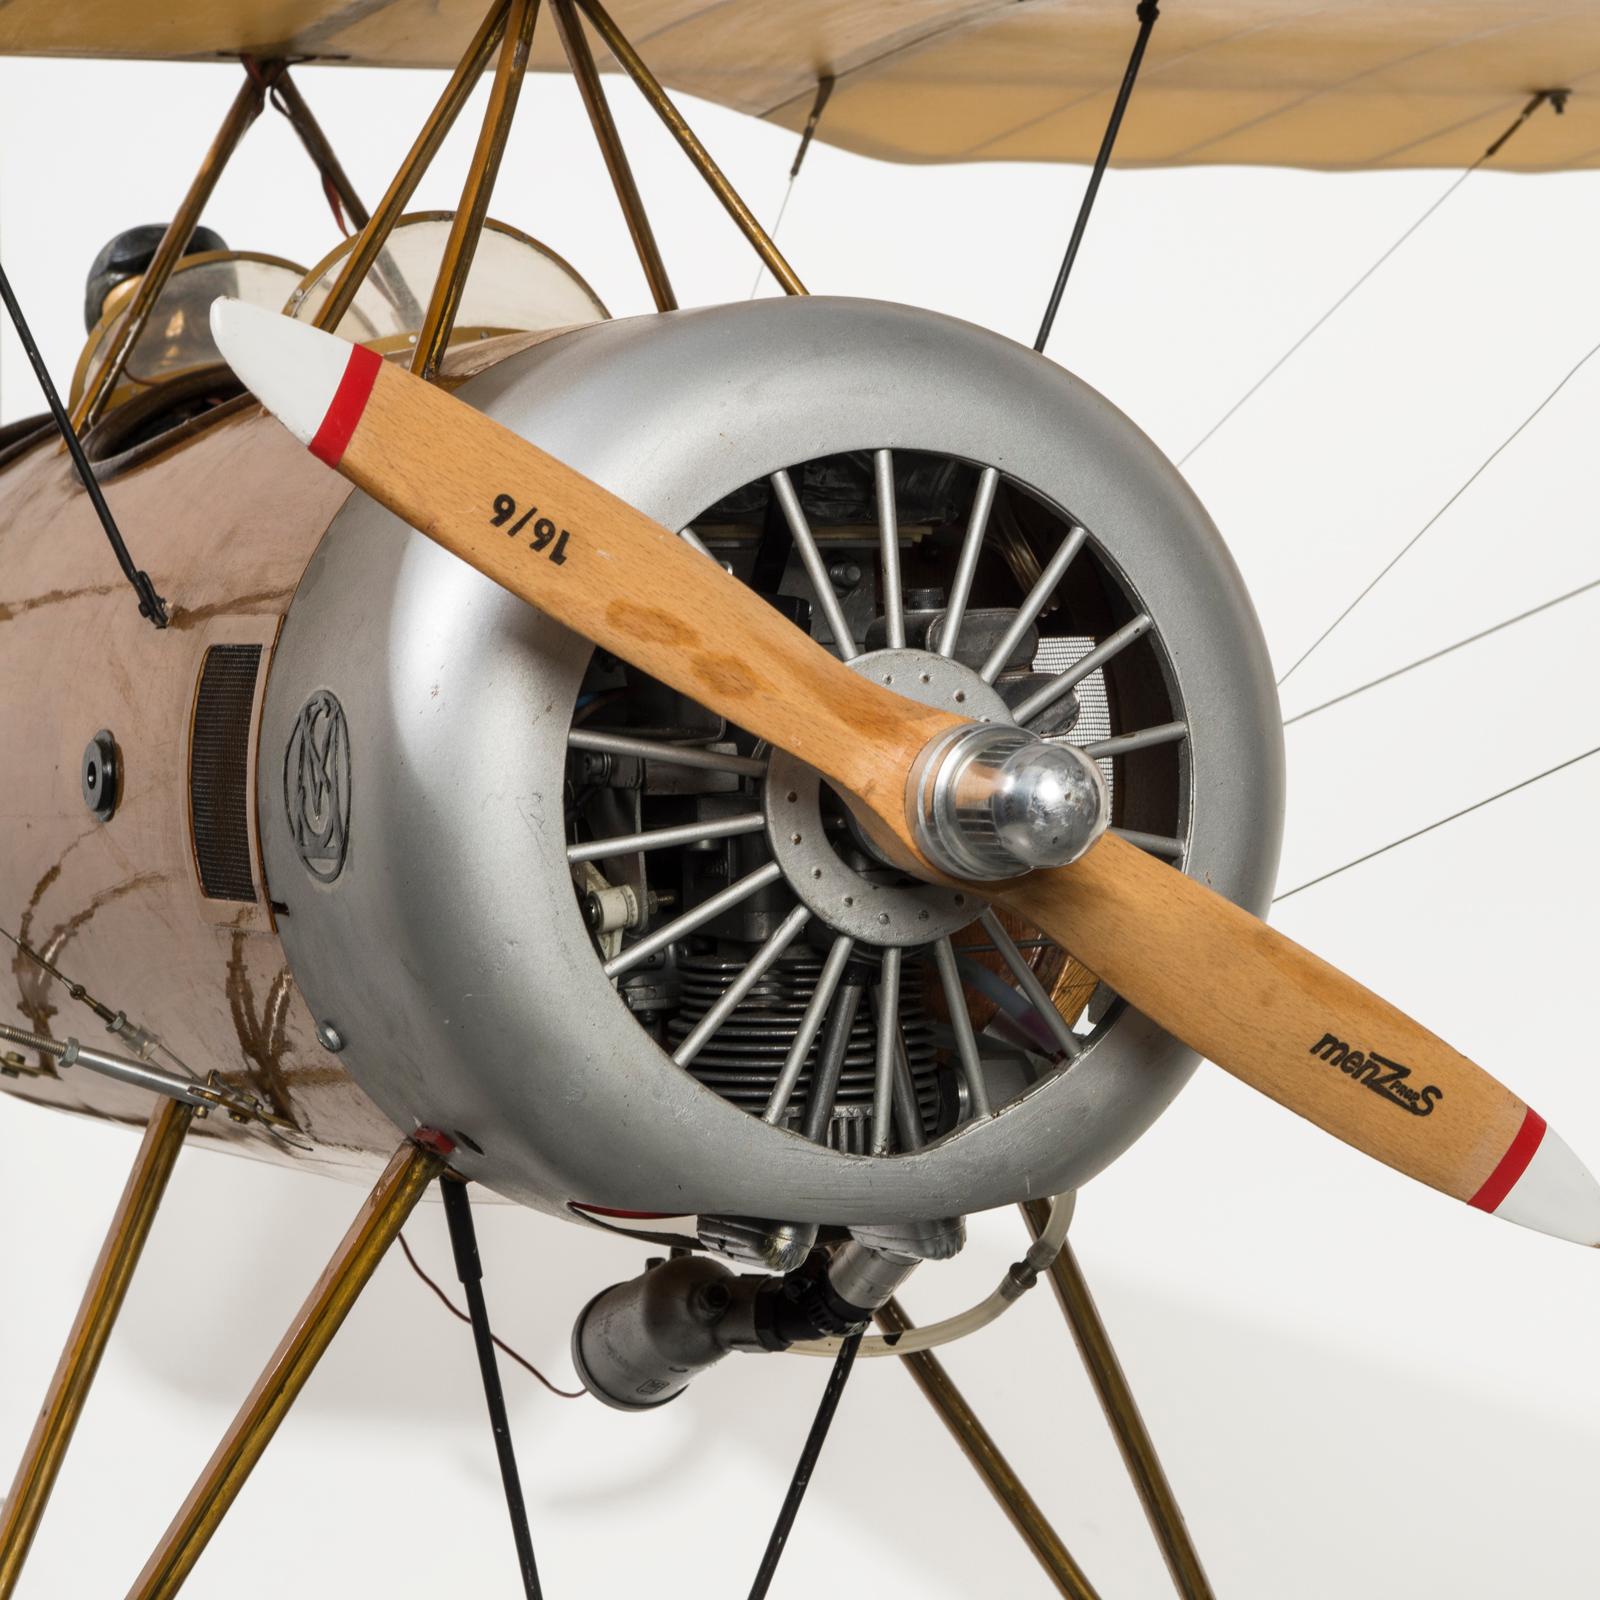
(1513, 1164)
(349, 401)
(432, 1139)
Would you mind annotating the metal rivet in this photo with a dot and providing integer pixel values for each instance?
(329, 1037)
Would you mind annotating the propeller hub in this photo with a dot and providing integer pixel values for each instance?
(995, 802)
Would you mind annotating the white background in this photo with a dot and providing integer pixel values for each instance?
(1358, 1386)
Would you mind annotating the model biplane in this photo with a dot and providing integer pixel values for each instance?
(772, 779)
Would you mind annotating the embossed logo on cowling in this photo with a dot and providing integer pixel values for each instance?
(316, 786)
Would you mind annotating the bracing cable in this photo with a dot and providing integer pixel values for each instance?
(1557, 98)
(1411, 543)
(1477, 805)
(1449, 649)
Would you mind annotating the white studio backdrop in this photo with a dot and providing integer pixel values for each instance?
(1358, 1387)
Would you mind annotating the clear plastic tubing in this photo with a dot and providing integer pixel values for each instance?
(1018, 1280)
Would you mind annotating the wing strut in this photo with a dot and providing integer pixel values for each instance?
(413, 1166)
(1122, 1413)
(930, 1376)
(86, 1344)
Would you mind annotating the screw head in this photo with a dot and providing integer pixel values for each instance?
(329, 1037)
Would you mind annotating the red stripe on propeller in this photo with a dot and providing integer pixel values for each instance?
(349, 401)
(1512, 1165)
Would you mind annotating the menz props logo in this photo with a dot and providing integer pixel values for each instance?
(1379, 1074)
(316, 786)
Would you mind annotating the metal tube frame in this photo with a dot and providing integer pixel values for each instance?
(467, 224)
(1122, 1413)
(287, 97)
(373, 237)
(581, 60)
(245, 109)
(630, 61)
(376, 227)
(458, 256)
(411, 1169)
(86, 1343)
(1010, 1494)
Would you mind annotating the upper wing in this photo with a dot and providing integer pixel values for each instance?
(1348, 84)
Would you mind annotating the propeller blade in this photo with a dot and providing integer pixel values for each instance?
(1232, 988)
(1285, 1022)
(564, 544)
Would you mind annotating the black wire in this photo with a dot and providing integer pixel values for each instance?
(1147, 13)
(1556, 97)
(1477, 472)
(1449, 649)
(805, 1466)
(1477, 805)
(150, 603)
(464, 1241)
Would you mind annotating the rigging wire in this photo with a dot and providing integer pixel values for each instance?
(151, 604)
(824, 91)
(805, 1466)
(1556, 97)
(1477, 805)
(1147, 13)
(499, 1343)
(1449, 649)
(1482, 467)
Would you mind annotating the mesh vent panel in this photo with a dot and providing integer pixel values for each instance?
(219, 771)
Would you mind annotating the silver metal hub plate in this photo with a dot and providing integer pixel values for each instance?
(877, 905)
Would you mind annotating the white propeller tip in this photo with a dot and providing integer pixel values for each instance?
(293, 369)
(1554, 1192)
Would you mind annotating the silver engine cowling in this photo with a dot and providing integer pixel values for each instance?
(457, 958)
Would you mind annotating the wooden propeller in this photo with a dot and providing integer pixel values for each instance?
(1249, 999)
